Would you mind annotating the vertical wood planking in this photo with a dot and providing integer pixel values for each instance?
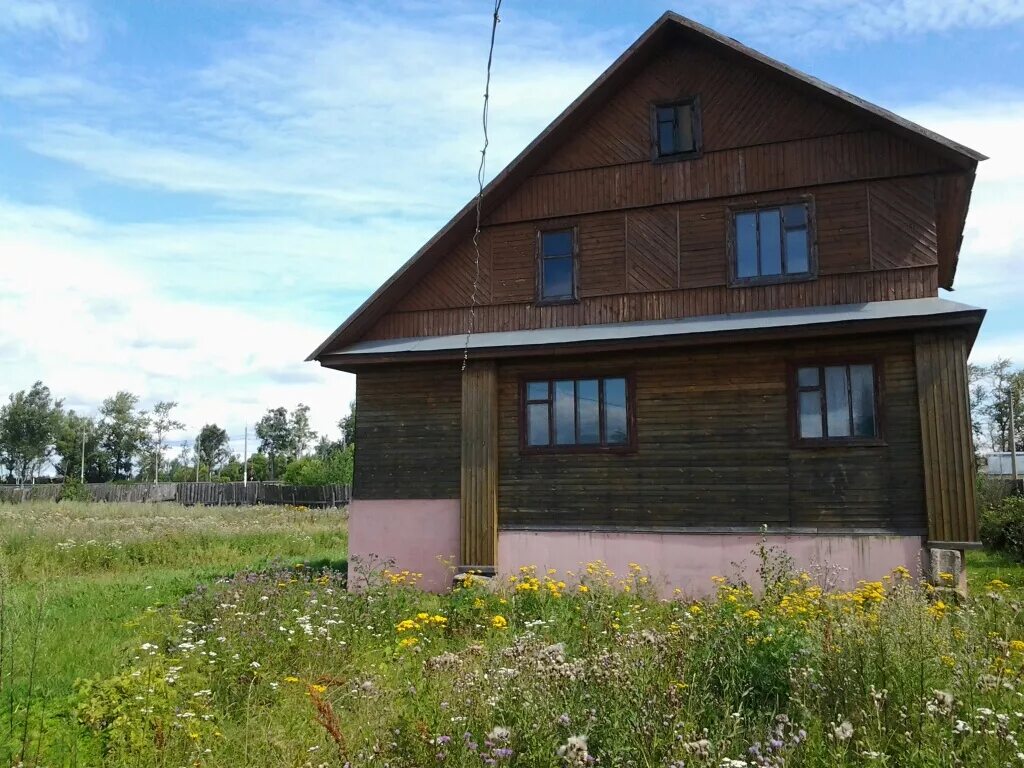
(946, 442)
(479, 497)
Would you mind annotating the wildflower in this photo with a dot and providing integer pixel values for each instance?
(752, 615)
(500, 734)
(1017, 646)
(947, 660)
(937, 609)
(583, 588)
(997, 585)
(563, 719)
(499, 622)
(843, 732)
(291, 679)
(574, 751)
(317, 688)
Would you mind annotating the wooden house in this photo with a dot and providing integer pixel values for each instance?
(704, 301)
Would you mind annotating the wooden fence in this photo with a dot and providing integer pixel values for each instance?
(207, 494)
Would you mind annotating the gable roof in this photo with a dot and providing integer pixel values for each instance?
(670, 27)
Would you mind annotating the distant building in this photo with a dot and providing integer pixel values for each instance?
(999, 463)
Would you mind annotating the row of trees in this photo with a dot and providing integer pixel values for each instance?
(994, 389)
(122, 442)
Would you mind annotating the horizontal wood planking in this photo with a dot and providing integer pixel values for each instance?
(947, 442)
(740, 106)
(913, 283)
(408, 432)
(730, 173)
(714, 449)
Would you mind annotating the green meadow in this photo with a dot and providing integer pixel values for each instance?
(158, 635)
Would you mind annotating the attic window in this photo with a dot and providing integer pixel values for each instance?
(557, 268)
(675, 129)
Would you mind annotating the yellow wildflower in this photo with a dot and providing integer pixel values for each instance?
(499, 622)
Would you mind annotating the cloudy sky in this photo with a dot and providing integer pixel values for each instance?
(193, 194)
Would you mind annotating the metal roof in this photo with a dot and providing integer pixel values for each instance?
(904, 309)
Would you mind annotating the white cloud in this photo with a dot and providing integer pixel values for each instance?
(61, 19)
(837, 22)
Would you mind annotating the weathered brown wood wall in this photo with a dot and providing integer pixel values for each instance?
(714, 449)
(653, 236)
(408, 432)
(946, 439)
(479, 499)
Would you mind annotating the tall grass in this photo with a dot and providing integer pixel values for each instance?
(76, 579)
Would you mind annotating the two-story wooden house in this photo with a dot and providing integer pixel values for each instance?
(704, 300)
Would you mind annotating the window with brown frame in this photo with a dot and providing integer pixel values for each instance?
(576, 414)
(556, 254)
(837, 403)
(772, 243)
(675, 129)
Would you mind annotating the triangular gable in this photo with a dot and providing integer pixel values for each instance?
(573, 128)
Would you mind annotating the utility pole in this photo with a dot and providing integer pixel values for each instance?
(245, 458)
(197, 459)
(82, 468)
(1013, 441)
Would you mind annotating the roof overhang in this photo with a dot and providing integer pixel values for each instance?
(669, 27)
(846, 319)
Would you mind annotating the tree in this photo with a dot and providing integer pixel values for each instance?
(125, 433)
(212, 447)
(991, 388)
(275, 434)
(302, 433)
(161, 423)
(72, 430)
(347, 425)
(28, 429)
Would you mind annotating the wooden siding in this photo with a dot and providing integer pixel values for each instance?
(741, 106)
(729, 173)
(479, 499)
(661, 305)
(874, 241)
(408, 430)
(714, 449)
(946, 440)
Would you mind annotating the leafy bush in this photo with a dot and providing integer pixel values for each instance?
(1002, 526)
(313, 470)
(73, 490)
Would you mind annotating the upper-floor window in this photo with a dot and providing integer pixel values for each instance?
(577, 414)
(557, 268)
(675, 129)
(837, 403)
(772, 242)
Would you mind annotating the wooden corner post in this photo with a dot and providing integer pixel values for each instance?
(478, 536)
(947, 444)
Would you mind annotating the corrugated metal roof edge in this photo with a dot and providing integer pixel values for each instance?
(905, 309)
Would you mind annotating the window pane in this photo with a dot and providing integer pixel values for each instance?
(537, 390)
(770, 238)
(666, 138)
(837, 401)
(862, 387)
(795, 216)
(616, 429)
(807, 377)
(797, 260)
(684, 131)
(587, 408)
(746, 244)
(810, 414)
(565, 412)
(666, 114)
(537, 424)
(557, 243)
(557, 278)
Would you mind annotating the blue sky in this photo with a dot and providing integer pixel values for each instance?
(193, 194)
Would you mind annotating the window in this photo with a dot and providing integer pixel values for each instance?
(772, 242)
(557, 265)
(837, 402)
(576, 414)
(675, 129)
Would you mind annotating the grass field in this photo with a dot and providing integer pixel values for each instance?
(153, 635)
(78, 578)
